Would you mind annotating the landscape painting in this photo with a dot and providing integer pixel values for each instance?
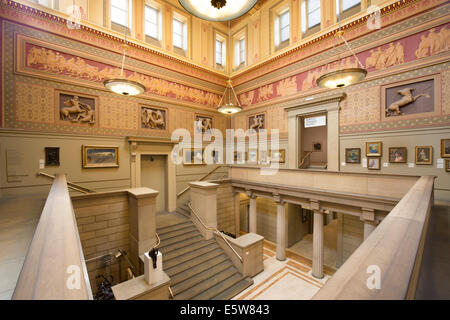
(100, 157)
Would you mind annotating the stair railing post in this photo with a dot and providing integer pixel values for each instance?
(204, 201)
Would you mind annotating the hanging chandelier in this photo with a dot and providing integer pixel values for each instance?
(217, 10)
(122, 85)
(228, 107)
(342, 77)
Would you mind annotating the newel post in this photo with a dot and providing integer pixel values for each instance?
(204, 202)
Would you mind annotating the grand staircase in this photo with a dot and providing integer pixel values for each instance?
(199, 269)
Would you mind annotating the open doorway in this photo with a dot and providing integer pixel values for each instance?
(313, 141)
(154, 176)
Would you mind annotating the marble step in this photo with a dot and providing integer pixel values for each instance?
(234, 289)
(189, 256)
(192, 263)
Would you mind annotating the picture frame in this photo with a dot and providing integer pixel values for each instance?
(100, 156)
(204, 124)
(240, 157)
(424, 155)
(447, 165)
(398, 154)
(278, 156)
(374, 149)
(445, 148)
(317, 146)
(252, 156)
(352, 155)
(263, 157)
(374, 163)
(190, 156)
(52, 156)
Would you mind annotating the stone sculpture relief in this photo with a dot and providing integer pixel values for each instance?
(77, 111)
(247, 98)
(407, 98)
(379, 59)
(287, 86)
(152, 118)
(265, 92)
(203, 124)
(433, 43)
(257, 122)
(51, 61)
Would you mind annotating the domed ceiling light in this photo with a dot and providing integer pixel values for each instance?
(217, 10)
(122, 85)
(228, 107)
(342, 77)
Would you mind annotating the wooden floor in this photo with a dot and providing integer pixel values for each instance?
(18, 219)
(434, 279)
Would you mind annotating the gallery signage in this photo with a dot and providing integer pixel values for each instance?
(315, 121)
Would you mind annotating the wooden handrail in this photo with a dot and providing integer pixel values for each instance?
(201, 179)
(54, 268)
(215, 230)
(308, 154)
(70, 185)
(391, 254)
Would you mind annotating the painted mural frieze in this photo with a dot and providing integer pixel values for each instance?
(384, 58)
(69, 65)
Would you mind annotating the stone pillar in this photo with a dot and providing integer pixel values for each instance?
(142, 218)
(281, 229)
(317, 261)
(252, 215)
(368, 216)
(204, 203)
(237, 213)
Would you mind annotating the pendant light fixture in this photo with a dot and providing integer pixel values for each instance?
(217, 10)
(122, 85)
(342, 77)
(228, 107)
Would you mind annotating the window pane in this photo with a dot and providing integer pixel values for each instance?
(314, 18)
(285, 34)
(122, 4)
(347, 4)
(242, 51)
(119, 16)
(151, 14)
(313, 5)
(177, 40)
(177, 26)
(151, 29)
(284, 19)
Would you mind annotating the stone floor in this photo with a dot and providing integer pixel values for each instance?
(283, 280)
(18, 221)
(305, 246)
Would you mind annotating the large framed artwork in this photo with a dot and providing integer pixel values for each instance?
(100, 157)
(374, 163)
(76, 108)
(52, 156)
(424, 155)
(374, 149)
(193, 157)
(153, 118)
(278, 156)
(445, 148)
(397, 154)
(411, 99)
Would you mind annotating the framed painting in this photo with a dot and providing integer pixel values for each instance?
(447, 165)
(424, 155)
(263, 157)
(317, 146)
(193, 157)
(374, 149)
(239, 157)
(52, 156)
(252, 156)
(278, 156)
(352, 155)
(100, 157)
(374, 163)
(397, 154)
(203, 124)
(445, 148)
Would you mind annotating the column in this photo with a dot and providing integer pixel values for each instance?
(281, 229)
(252, 215)
(368, 216)
(317, 261)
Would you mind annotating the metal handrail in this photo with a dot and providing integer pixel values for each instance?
(215, 230)
(308, 154)
(188, 187)
(70, 185)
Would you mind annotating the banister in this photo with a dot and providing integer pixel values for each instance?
(201, 179)
(308, 154)
(391, 256)
(54, 267)
(70, 185)
(215, 231)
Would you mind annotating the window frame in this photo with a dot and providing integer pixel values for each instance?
(239, 43)
(128, 25)
(306, 30)
(343, 14)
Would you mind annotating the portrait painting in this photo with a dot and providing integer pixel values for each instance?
(278, 156)
(263, 157)
(193, 157)
(52, 156)
(203, 124)
(75, 108)
(374, 163)
(153, 118)
(374, 149)
(257, 122)
(397, 154)
(100, 157)
(424, 155)
(353, 155)
(252, 156)
(445, 148)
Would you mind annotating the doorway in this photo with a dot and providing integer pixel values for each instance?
(313, 139)
(154, 176)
